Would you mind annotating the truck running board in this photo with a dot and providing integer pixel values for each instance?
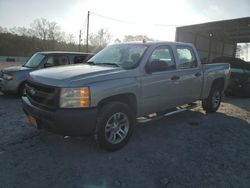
(169, 112)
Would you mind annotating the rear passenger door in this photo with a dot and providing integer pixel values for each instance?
(190, 74)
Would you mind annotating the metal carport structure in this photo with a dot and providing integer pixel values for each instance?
(215, 39)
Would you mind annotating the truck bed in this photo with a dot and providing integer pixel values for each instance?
(213, 71)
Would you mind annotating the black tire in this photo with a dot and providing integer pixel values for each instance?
(21, 90)
(110, 112)
(212, 103)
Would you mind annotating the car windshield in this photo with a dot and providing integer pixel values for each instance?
(34, 61)
(125, 55)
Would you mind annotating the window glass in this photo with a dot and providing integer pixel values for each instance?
(113, 56)
(57, 60)
(163, 54)
(34, 61)
(186, 58)
(82, 58)
(125, 55)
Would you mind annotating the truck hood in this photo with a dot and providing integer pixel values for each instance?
(15, 69)
(75, 75)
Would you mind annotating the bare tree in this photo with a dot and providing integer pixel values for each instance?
(130, 38)
(101, 39)
(70, 39)
(22, 31)
(46, 30)
(3, 30)
(238, 51)
(246, 48)
(53, 30)
(40, 28)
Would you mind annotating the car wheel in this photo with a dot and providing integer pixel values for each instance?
(212, 103)
(114, 127)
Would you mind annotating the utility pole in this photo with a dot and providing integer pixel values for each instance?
(87, 40)
(80, 39)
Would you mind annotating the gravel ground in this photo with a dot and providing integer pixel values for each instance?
(189, 149)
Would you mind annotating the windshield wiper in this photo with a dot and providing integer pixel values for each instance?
(27, 66)
(113, 64)
(91, 63)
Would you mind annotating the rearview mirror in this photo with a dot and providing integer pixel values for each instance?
(156, 66)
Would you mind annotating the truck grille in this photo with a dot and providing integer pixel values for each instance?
(42, 95)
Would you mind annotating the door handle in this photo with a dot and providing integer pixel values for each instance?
(175, 77)
(198, 74)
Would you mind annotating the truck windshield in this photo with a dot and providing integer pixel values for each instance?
(122, 55)
(34, 61)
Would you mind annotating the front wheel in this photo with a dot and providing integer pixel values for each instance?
(114, 127)
(212, 103)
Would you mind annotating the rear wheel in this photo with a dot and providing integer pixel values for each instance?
(115, 125)
(212, 103)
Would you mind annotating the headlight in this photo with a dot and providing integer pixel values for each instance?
(7, 76)
(74, 97)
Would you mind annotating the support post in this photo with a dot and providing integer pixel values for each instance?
(80, 39)
(87, 38)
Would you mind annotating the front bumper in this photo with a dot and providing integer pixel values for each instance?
(70, 122)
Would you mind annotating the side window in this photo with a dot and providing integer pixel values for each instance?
(186, 57)
(82, 58)
(163, 55)
(57, 61)
(79, 59)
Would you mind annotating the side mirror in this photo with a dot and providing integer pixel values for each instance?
(156, 66)
(47, 65)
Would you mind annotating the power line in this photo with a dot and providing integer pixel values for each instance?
(114, 19)
(128, 22)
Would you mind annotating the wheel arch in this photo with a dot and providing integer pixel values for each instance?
(220, 82)
(20, 86)
(126, 98)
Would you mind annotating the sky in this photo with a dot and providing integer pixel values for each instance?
(155, 18)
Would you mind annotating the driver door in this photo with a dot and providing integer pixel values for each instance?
(159, 89)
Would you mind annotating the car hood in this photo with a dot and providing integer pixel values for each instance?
(76, 75)
(15, 69)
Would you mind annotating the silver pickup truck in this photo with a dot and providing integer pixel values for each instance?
(121, 84)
